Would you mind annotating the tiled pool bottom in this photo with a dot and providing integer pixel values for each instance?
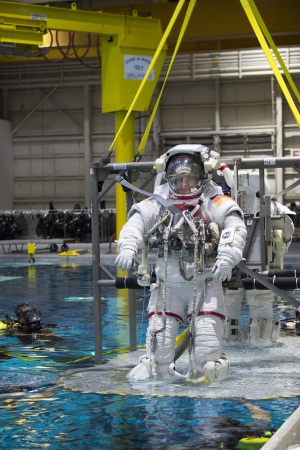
(38, 413)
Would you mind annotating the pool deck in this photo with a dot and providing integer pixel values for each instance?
(45, 247)
(107, 254)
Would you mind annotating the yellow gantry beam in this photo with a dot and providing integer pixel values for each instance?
(39, 19)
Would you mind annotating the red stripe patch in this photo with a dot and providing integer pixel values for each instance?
(223, 167)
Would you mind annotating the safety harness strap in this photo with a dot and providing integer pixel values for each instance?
(172, 208)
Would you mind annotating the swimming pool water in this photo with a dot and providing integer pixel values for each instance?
(37, 412)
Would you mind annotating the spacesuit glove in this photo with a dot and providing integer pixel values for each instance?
(222, 270)
(125, 258)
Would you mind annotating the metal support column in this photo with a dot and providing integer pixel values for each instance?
(279, 138)
(217, 116)
(131, 298)
(87, 143)
(125, 152)
(262, 218)
(96, 266)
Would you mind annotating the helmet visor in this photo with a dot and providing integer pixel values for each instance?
(185, 175)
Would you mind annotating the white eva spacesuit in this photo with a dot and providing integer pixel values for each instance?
(188, 272)
(263, 329)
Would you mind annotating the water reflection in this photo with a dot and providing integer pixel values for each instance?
(37, 413)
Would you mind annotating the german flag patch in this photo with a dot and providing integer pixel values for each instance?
(218, 199)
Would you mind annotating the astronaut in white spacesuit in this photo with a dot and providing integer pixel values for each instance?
(189, 271)
(263, 329)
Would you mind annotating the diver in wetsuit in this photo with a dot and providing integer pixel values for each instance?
(28, 320)
(28, 325)
(25, 326)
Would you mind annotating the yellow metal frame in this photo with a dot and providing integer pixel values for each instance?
(41, 18)
(122, 35)
(128, 35)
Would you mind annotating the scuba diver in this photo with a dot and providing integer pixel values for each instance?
(28, 320)
(263, 329)
(27, 325)
(176, 222)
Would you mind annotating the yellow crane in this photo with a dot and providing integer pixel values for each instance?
(128, 43)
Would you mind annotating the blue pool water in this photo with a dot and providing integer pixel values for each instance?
(37, 412)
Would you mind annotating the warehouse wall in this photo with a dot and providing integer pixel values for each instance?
(6, 166)
(49, 106)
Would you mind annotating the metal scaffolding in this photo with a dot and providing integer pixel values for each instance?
(100, 171)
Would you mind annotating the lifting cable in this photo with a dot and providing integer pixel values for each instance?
(274, 48)
(264, 39)
(263, 36)
(186, 20)
(148, 71)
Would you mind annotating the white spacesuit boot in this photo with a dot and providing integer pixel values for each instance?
(217, 370)
(160, 345)
(233, 301)
(208, 361)
(142, 371)
(263, 330)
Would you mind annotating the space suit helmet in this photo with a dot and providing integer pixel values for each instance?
(185, 170)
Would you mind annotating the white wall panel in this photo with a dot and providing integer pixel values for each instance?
(48, 168)
(22, 168)
(103, 122)
(246, 116)
(23, 191)
(250, 90)
(69, 167)
(6, 166)
(180, 117)
(189, 93)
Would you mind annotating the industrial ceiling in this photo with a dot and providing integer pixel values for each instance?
(215, 25)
